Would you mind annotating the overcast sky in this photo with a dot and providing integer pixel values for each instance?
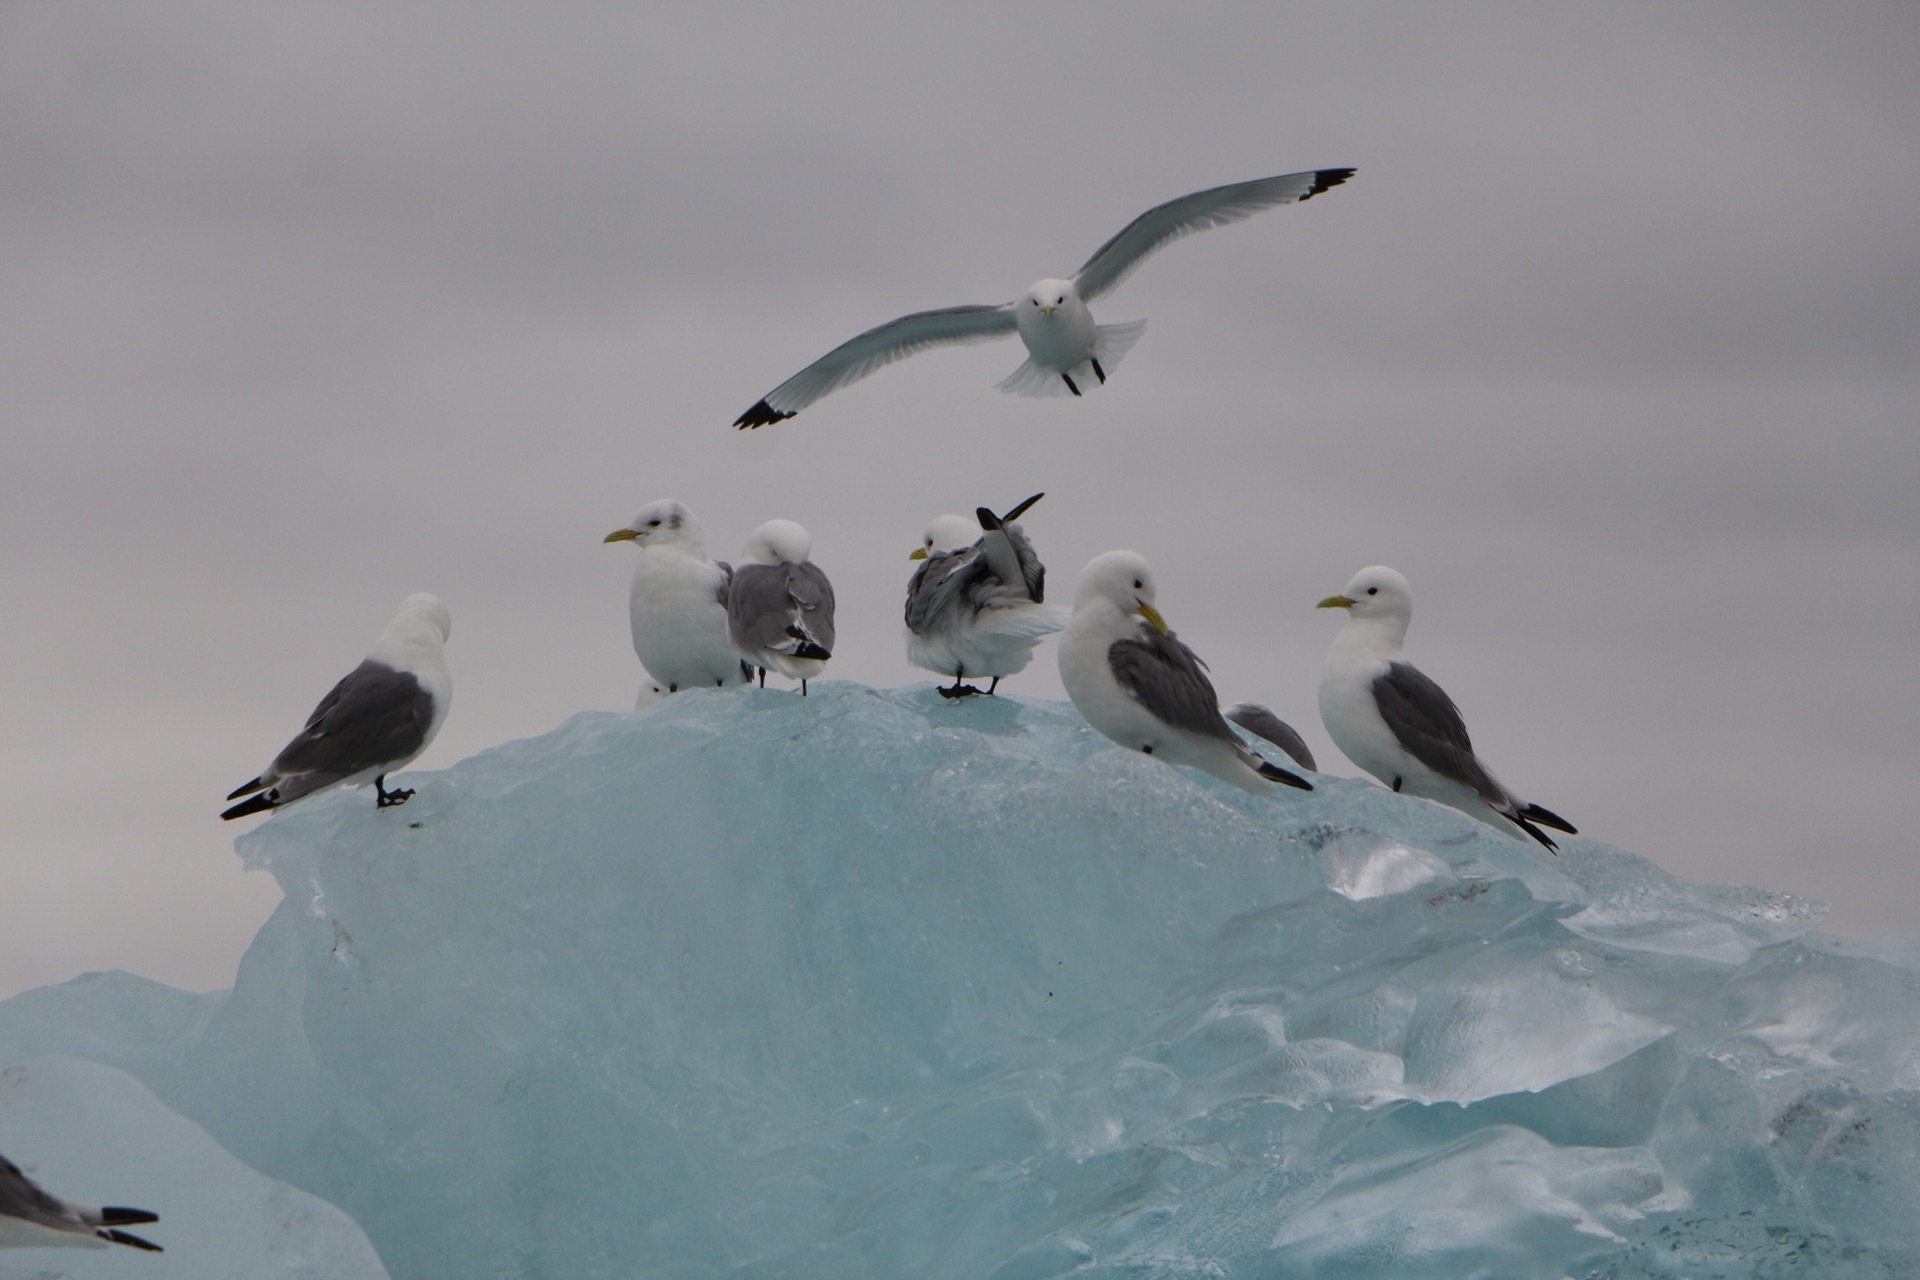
(1610, 346)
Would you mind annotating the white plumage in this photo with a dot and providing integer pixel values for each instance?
(677, 602)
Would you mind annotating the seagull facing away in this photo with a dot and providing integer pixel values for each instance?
(976, 605)
(30, 1218)
(1066, 351)
(780, 607)
(1400, 726)
(378, 719)
(1257, 720)
(678, 602)
(1137, 684)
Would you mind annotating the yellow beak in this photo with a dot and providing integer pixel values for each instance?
(620, 535)
(1335, 602)
(918, 553)
(1047, 310)
(1152, 615)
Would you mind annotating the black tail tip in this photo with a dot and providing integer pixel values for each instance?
(257, 804)
(128, 1238)
(760, 415)
(1274, 773)
(121, 1216)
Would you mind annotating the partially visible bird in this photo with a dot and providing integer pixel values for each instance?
(1401, 727)
(780, 607)
(677, 603)
(976, 606)
(1066, 350)
(1262, 723)
(32, 1218)
(378, 719)
(1139, 685)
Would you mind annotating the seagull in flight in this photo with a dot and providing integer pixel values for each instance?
(1066, 350)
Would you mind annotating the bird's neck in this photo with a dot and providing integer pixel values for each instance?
(410, 647)
(1378, 638)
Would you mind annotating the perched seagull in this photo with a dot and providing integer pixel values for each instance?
(377, 720)
(30, 1218)
(678, 602)
(1066, 350)
(1138, 685)
(780, 607)
(975, 607)
(1262, 723)
(1400, 726)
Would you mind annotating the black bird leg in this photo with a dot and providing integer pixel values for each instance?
(386, 799)
(803, 688)
(1098, 372)
(1069, 381)
(994, 685)
(763, 677)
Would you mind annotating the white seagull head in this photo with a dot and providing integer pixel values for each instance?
(1051, 297)
(662, 523)
(778, 542)
(424, 615)
(1375, 592)
(1121, 580)
(947, 533)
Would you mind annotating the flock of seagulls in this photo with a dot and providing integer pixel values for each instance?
(976, 609)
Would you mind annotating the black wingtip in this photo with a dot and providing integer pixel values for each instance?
(1274, 773)
(121, 1216)
(128, 1238)
(808, 649)
(986, 519)
(1323, 180)
(1548, 818)
(1021, 510)
(258, 804)
(1520, 820)
(245, 788)
(760, 415)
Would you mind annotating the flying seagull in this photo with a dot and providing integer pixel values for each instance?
(1401, 727)
(378, 719)
(1139, 685)
(1066, 350)
(678, 602)
(30, 1218)
(780, 607)
(1262, 723)
(976, 605)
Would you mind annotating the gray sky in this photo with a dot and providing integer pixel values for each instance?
(1611, 347)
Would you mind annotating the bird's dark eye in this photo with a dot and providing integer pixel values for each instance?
(1060, 301)
(1136, 584)
(653, 524)
(1373, 591)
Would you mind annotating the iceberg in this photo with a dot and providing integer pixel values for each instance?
(876, 984)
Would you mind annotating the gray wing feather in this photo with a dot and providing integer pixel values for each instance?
(375, 714)
(770, 602)
(1424, 721)
(881, 345)
(939, 590)
(1115, 260)
(21, 1197)
(1015, 563)
(1262, 723)
(1169, 680)
(725, 588)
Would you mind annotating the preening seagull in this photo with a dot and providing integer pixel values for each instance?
(1401, 727)
(1262, 723)
(31, 1218)
(780, 607)
(976, 607)
(377, 720)
(1139, 685)
(1066, 350)
(678, 602)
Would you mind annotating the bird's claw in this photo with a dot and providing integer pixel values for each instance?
(393, 799)
(957, 690)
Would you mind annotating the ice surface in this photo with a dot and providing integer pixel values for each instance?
(90, 1133)
(873, 984)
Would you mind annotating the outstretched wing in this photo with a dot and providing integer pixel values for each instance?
(873, 350)
(1115, 260)
(1170, 681)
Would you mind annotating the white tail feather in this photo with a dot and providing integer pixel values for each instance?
(1112, 342)
(1031, 380)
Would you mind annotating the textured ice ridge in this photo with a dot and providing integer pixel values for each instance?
(873, 984)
